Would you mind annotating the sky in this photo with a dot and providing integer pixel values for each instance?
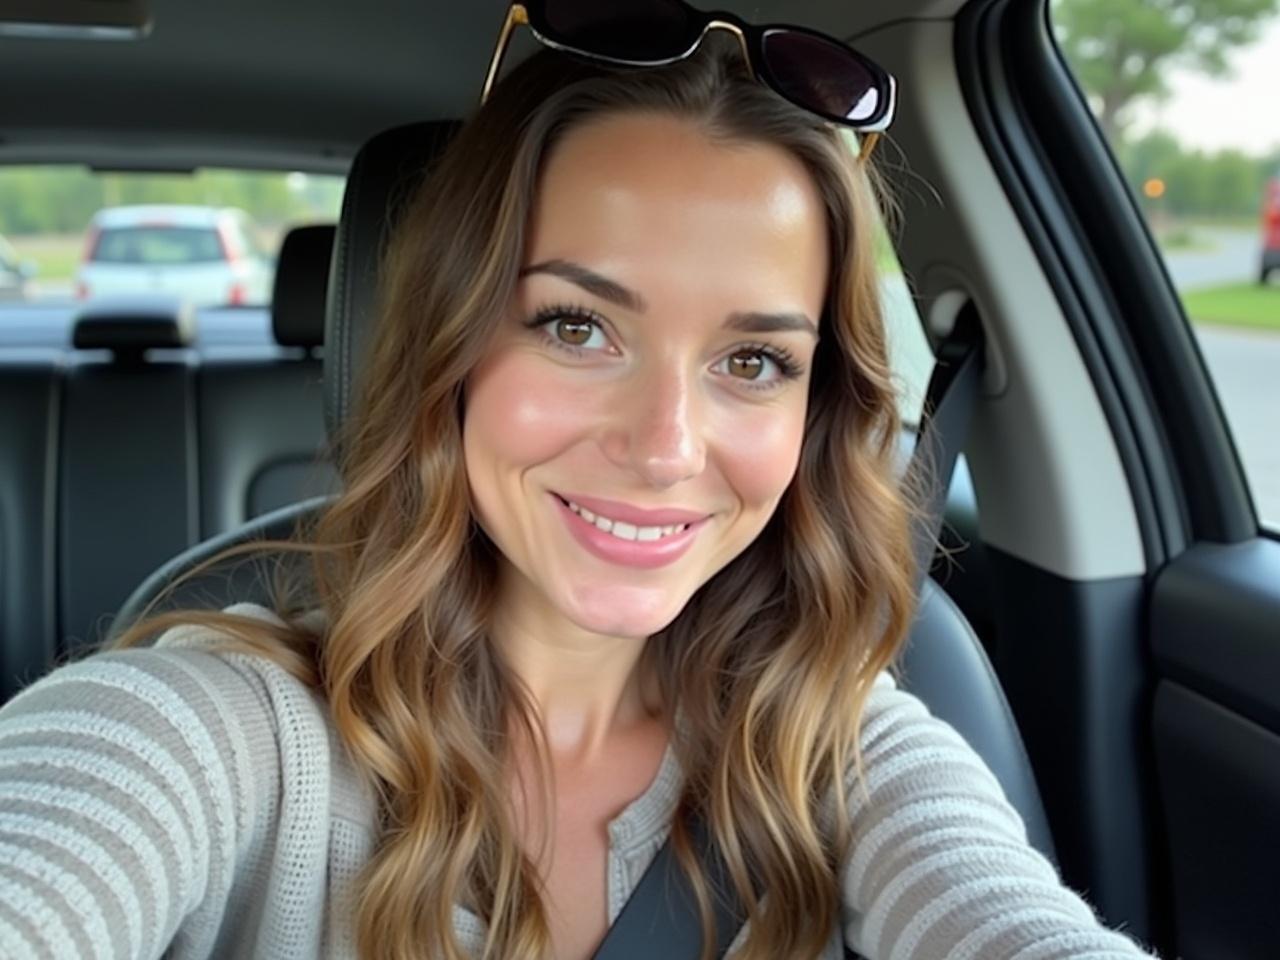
(1241, 110)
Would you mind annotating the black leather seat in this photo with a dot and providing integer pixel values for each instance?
(30, 395)
(133, 423)
(125, 451)
(943, 664)
(261, 423)
(201, 446)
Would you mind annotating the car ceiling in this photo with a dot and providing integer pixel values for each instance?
(288, 84)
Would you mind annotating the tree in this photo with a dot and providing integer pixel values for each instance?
(1225, 183)
(1148, 156)
(1122, 50)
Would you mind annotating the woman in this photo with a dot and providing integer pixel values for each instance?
(620, 546)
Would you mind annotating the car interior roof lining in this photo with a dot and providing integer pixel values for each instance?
(288, 91)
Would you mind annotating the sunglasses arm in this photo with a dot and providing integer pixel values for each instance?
(867, 146)
(516, 16)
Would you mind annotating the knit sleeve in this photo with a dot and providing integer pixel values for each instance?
(940, 866)
(130, 783)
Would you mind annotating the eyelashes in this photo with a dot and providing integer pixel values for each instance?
(788, 366)
(547, 315)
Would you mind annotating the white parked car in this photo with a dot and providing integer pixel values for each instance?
(208, 255)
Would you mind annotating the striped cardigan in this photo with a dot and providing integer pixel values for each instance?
(179, 802)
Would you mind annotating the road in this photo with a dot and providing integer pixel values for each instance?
(1245, 366)
(1229, 256)
(47, 324)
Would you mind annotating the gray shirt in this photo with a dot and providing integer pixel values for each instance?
(180, 802)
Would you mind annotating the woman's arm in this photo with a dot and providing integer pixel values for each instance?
(128, 788)
(941, 867)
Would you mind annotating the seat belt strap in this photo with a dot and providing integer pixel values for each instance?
(944, 428)
(660, 918)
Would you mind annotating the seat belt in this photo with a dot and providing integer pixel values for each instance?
(660, 918)
(944, 428)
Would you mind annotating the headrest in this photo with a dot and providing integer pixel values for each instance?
(131, 324)
(302, 279)
(382, 179)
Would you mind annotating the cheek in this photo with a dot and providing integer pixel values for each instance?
(759, 454)
(516, 416)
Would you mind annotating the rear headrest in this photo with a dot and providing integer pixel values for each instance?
(383, 177)
(131, 324)
(302, 280)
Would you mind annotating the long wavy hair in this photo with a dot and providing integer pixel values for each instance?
(770, 663)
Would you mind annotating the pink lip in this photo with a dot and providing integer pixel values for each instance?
(615, 510)
(644, 555)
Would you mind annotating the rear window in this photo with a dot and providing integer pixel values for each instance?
(47, 211)
(158, 246)
(211, 237)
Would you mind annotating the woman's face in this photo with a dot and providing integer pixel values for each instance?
(641, 410)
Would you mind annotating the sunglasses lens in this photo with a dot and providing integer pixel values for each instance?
(824, 76)
(632, 31)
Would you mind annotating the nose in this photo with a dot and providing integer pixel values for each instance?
(656, 434)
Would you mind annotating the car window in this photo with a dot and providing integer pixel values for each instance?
(1171, 92)
(46, 213)
(158, 245)
(61, 219)
(910, 356)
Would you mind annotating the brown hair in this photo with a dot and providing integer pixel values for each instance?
(771, 661)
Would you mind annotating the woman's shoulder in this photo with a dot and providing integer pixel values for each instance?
(190, 662)
(192, 670)
(217, 766)
(274, 704)
(188, 694)
(192, 694)
(233, 673)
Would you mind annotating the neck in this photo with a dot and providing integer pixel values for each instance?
(587, 688)
(585, 694)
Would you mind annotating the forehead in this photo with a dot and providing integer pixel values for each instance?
(655, 202)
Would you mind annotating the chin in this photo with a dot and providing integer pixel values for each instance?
(623, 611)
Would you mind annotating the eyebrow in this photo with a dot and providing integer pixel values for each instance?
(753, 321)
(590, 281)
(756, 322)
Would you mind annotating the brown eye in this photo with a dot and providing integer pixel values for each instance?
(746, 366)
(574, 332)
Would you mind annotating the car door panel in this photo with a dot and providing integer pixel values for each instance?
(1215, 634)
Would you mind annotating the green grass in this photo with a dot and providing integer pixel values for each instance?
(1236, 305)
(55, 257)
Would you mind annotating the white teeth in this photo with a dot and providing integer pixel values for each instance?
(623, 530)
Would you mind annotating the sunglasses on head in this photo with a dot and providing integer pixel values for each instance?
(811, 70)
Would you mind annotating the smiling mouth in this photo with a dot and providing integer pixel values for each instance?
(623, 530)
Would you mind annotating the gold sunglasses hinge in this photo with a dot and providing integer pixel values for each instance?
(517, 16)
